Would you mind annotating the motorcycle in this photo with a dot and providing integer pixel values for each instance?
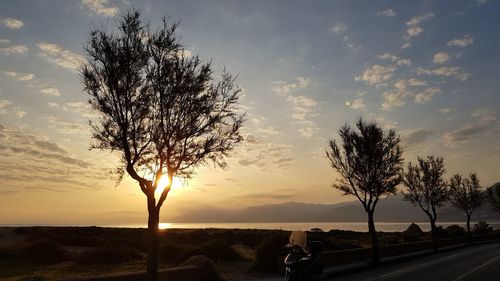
(303, 262)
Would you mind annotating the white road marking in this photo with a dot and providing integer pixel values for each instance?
(477, 268)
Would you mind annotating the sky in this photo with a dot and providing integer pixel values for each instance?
(427, 69)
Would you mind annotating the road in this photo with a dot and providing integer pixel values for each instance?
(478, 263)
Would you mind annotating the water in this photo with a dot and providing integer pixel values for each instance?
(354, 226)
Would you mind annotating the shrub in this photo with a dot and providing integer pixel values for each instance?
(482, 228)
(170, 252)
(216, 250)
(42, 251)
(270, 253)
(108, 255)
(34, 277)
(455, 231)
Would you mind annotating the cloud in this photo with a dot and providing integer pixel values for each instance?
(426, 95)
(413, 24)
(20, 76)
(397, 96)
(463, 42)
(264, 155)
(376, 74)
(338, 28)
(52, 92)
(356, 104)
(386, 13)
(445, 110)
(66, 127)
(480, 2)
(60, 56)
(14, 49)
(302, 106)
(416, 136)
(441, 57)
(19, 112)
(406, 45)
(101, 7)
(283, 87)
(485, 122)
(12, 23)
(452, 71)
(4, 103)
(4, 41)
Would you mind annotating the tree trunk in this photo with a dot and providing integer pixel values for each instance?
(152, 258)
(434, 235)
(373, 235)
(469, 232)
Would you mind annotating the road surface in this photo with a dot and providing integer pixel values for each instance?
(478, 263)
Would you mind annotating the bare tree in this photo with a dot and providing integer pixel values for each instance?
(466, 195)
(426, 188)
(369, 162)
(162, 111)
(494, 196)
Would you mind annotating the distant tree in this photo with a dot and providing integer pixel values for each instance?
(369, 162)
(494, 196)
(162, 111)
(426, 188)
(466, 195)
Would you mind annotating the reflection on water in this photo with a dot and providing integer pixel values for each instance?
(354, 226)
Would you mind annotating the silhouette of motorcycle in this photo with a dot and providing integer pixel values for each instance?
(303, 262)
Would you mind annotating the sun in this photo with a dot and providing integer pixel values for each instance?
(163, 182)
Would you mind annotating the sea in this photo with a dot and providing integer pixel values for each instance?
(325, 226)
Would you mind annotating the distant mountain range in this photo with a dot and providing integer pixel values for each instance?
(391, 209)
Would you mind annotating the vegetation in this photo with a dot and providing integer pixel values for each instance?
(369, 162)
(426, 188)
(494, 196)
(466, 195)
(161, 110)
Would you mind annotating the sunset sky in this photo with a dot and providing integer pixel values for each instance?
(428, 69)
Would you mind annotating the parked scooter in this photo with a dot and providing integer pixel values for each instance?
(303, 263)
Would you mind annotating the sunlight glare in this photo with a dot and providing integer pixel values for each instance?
(176, 185)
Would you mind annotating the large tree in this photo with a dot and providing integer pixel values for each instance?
(426, 188)
(369, 162)
(162, 111)
(466, 195)
(494, 196)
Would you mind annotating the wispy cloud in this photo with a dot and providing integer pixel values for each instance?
(12, 23)
(441, 57)
(14, 49)
(376, 74)
(452, 71)
(386, 13)
(463, 42)
(60, 56)
(102, 7)
(414, 29)
(52, 92)
(356, 104)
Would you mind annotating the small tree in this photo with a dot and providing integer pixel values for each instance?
(426, 188)
(466, 195)
(369, 162)
(494, 196)
(162, 111)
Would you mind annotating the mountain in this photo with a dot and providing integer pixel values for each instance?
(391, 209)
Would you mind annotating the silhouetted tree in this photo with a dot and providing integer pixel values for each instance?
(466, 195)
(426, 188)
(494, 196)
(162, 111)
(369, 162)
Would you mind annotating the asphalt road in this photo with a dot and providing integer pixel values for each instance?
(478, 263)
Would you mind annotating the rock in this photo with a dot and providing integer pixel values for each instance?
(414, 229)
(208, 272)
